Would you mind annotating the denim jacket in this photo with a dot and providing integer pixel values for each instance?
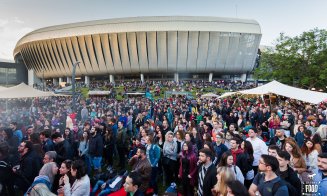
(153, 154)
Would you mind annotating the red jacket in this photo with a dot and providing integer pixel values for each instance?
(193, 169)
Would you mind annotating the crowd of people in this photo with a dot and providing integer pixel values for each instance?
(200, 146)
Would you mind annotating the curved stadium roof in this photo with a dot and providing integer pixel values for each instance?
(142, 45)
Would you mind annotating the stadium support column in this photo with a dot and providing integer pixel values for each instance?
(60, 81)
(243, 77)
(210, 77)
(87, 80)
(55, 81)
(142, 78)
(176, 77)
(31, 76)
(111, 78)
(69, 80)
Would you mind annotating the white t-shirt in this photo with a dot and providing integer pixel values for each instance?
(259, 148)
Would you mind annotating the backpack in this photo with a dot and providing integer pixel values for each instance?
(291, 189)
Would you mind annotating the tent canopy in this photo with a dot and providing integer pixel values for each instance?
(209, 95)
(227, 94)
(280, 89)
(99, 93)
(22, 91)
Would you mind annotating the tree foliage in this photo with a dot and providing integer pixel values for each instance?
(299, 60)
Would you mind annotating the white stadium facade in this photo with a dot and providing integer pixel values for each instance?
(157, 47)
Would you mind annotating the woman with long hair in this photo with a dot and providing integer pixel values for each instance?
(245, 162)
(299, 136)
(187, 169)
(191, 125)
(224, 174)
(153, 153)
(81, 185)
(197, 138)
(207, 137)
(159, 139)
(108, 150)
(189, 138)
(274, 122)
(83, 150)
(297, 162)
(68, 135)
(64, 170)
(310, 154)
(316, 138)
(228, 161)
(43, 182)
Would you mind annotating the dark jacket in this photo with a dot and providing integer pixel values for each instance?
(7, 178)
(291, 176)
(64, 151)
(96, 145)
(122, 138)
(48, 145)
(244, 163)
(192, 169)
(30, 165)
(276, 141)
(219, 150)
(210, 179)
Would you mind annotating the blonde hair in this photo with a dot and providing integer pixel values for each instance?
(226, 174)
(167, 134)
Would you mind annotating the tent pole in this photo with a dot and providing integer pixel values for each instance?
(269, 102)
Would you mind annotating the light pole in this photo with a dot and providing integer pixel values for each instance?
(73, 85)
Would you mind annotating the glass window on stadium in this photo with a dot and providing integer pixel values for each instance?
(8, 75)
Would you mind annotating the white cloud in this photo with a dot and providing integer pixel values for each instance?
(17, 20)
(11, 30)
(3, 22)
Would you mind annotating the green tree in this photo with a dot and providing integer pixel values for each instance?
(299, 60)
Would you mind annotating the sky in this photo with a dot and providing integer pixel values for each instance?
(19, 17)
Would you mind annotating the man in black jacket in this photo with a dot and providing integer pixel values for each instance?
(122, 144)
(62, 147)
(286, 172)
(47, 143)
(207, 173)
(96, 148)
(29, 166)
(7, 178)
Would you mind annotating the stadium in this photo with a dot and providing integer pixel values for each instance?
(170, 47)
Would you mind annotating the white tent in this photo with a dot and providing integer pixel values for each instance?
(99, 93)
(22, 91)
(209, 95)
(278, 88)
(227, 94)
(2, 88)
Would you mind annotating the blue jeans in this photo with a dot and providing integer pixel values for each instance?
(87, 160)
(153, 181)
(96, 162)
(105, 191)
